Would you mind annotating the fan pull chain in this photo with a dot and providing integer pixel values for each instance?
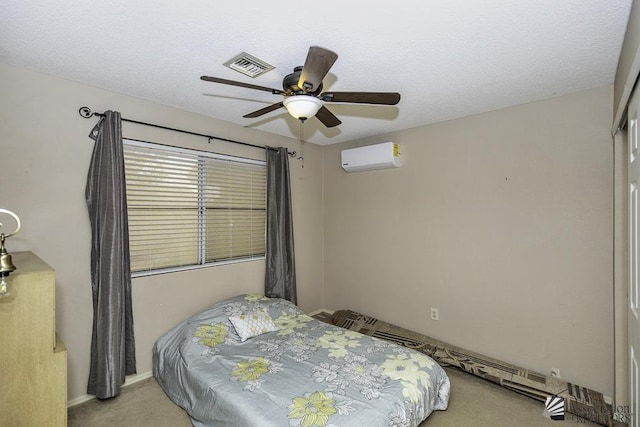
(301, 143)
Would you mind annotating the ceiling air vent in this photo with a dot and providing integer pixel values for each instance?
(248, 65)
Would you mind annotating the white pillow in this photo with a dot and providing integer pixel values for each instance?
(252, 324)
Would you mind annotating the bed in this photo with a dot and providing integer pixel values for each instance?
(256, 361)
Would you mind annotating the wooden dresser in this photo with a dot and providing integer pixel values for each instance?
(33, 359)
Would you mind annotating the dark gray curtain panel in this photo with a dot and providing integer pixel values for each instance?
(112, 340)
(280, 275)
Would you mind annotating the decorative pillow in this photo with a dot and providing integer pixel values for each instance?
(252, 324)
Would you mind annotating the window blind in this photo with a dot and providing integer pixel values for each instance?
(190, 208)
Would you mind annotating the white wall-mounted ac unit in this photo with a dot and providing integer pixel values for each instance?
(378, 156)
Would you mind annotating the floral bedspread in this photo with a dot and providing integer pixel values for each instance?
(307, 373)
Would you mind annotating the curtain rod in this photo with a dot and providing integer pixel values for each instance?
(87, 114)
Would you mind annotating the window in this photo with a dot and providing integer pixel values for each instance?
(191, 208)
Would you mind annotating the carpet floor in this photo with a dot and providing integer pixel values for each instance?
(474, 402)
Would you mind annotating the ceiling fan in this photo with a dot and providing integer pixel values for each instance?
(302, 90)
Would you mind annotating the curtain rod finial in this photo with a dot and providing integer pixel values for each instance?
(85, 112)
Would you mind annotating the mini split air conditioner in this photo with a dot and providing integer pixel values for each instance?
(378, 156)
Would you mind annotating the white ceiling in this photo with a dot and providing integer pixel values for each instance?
(447, 59)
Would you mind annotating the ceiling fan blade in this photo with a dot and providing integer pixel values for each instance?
(319, 61)
(241, 84)
(385, 98)
(327, 117)
(264, 110)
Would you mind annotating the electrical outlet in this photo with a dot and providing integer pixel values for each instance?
(555, 372)
(435, 315)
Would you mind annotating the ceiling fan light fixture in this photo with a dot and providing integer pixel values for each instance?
(302, 106)
(302, 89)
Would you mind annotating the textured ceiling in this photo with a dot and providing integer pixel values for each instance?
(448, 59)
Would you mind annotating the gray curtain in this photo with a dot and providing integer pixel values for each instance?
(112, 340)
(280, 277)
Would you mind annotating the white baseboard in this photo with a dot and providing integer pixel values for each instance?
(131, 379)
(313, 313)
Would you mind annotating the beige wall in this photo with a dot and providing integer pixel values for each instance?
(45, 156)
(501, 220)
